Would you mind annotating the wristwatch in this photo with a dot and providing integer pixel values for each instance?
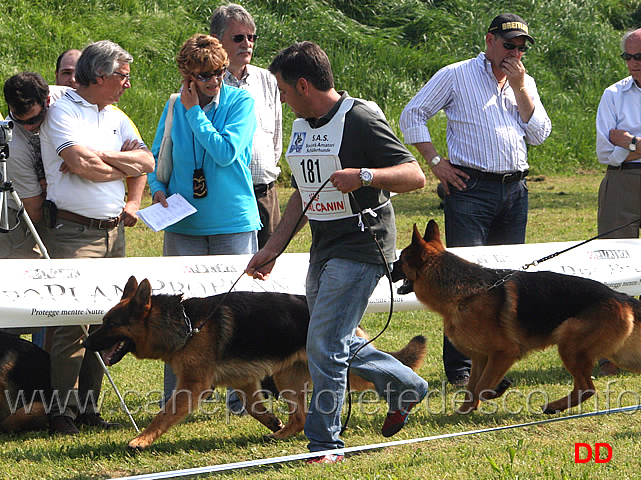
(633, 145)
(435, 161)
(366, 177)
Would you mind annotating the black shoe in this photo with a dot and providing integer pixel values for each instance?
(62, 425)
(406, 287)
(95, 420)
(460, 380)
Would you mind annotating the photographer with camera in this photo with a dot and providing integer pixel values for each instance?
(28, 97)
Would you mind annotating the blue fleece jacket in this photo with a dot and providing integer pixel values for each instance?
(219, 142)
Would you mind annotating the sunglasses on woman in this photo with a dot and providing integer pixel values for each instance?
(206, 76)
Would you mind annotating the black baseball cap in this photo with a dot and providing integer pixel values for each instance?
(509, 25)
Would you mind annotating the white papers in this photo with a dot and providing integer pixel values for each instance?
(158, 217)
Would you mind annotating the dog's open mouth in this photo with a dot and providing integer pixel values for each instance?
(114, 354)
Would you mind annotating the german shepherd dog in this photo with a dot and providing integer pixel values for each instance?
(497, 317)
(243, 338)
(25, 385)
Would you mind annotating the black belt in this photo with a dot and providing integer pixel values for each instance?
(100, 224)
(494, 177)
(625, 166)
(261, 188)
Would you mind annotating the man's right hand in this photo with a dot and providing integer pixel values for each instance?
(255, 267)
(449, 175)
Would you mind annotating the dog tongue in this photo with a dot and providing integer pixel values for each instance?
(108, 354)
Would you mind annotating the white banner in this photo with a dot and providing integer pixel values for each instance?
(79, 291)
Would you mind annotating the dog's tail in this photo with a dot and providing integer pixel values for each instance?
(412, 354)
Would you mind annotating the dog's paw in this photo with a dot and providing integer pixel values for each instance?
(550, 410)
(138, 444)
(466, 408)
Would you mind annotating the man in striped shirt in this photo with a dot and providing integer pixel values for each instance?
(493, 111)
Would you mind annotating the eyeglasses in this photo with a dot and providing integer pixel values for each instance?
(32, 120)
(240, 37)
(629, 56)
(205, 77)
(511, 46)
(126, 76)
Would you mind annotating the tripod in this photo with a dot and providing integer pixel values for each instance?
(6, 187)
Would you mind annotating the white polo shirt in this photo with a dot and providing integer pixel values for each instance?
(74, 121)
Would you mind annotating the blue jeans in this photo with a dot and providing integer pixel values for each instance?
(337, 295)
(485, 213)
(179, 244)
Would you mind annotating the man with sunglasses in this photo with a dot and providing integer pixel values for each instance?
(618, 145)
(28, 97)
(236, 30)
(493, 112)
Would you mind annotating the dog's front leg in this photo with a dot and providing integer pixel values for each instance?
(178, 407)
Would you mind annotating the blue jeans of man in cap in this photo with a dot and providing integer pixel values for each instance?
(338, 291)
(484, 213)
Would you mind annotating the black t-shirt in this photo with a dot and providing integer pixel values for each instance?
(368, 142)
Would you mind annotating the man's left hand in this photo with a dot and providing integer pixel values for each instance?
(129, 217)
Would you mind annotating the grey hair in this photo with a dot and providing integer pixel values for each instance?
(225, 14)
(100, 59)
(627, 35)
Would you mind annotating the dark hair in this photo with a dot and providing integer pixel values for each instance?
(100, 59)
(24, 90)
(225, 14)
(62, 55)
(304, 60)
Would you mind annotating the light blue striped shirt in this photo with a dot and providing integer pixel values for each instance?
(484, 129)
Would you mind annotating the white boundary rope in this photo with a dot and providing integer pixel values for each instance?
(304, 456)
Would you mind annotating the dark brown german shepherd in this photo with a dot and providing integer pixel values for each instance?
(25, 386)
(496, 318)
(249, 336)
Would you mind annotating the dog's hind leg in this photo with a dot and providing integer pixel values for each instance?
(294, 383)
(253, 399)
(580, 367)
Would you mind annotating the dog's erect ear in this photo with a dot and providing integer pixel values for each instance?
(416, 237)
(143, 294)
(130, 288)
(432, 232)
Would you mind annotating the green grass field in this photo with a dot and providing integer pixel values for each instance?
(563, 209)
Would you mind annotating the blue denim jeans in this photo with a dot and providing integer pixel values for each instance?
(485, 213)
(178, 244)
(337, 294)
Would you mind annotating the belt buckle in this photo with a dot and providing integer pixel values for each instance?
(505, 177)
(107, 224)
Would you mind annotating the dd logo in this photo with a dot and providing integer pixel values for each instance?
(583, 453)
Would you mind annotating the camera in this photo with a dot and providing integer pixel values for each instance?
(5, 131)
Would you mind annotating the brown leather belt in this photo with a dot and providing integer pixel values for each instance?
(104, 224)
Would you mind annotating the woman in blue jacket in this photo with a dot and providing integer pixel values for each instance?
(212, 131)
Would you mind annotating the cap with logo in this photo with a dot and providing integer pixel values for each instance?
(509, 25)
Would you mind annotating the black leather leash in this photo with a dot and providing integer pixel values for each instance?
(556, 254)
